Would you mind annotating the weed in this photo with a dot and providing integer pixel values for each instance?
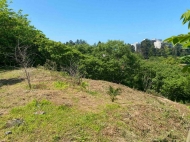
(114, 92)
(60, 85)
(84, 85)
(56, 138)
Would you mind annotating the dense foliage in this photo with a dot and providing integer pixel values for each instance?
(151, 69)
(164, 76)
(15, 30)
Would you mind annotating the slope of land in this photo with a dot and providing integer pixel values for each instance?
(56, 109)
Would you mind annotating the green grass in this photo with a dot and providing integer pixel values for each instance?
(11, 74)
(84, 84)
(93, 93)
(60, 85)
(58, 123)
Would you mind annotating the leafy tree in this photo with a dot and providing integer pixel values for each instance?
(70, 43)
(92, 67)
(147, 48)
(175, 89)
(170, 82)
(84, 48)
(14, 27)
(59, 52)
(80, 41)
(119, 64)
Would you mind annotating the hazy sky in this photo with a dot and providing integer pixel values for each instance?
(102, 20)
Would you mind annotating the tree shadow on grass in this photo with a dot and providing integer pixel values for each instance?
(10, 81)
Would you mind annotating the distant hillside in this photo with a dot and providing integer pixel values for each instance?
(56, 109)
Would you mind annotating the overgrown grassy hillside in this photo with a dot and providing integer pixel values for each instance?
(56, 109)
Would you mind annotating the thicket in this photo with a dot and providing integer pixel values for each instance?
(152, 70)
(164, 76)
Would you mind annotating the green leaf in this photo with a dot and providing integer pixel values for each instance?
(184, 39)
(187, 44)
(169, 39)
(175, 40)
(186, 18)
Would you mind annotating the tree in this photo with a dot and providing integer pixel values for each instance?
(15, 26)
(112, 61)
(24, 59)
(183, 39)
(146, 48)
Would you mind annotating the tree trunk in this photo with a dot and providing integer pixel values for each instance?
(27, 77)
(188, 136)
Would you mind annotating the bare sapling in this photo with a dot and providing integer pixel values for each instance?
(24, 59)
(51, 66)
(73, 69)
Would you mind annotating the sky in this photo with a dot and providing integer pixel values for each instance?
(102, 20)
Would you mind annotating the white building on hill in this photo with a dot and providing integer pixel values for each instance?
(158, 43)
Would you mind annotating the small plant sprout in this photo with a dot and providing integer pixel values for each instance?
(84, 84)
(114, 92)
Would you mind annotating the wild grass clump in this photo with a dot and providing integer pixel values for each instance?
(60, 85)
(84, 85)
